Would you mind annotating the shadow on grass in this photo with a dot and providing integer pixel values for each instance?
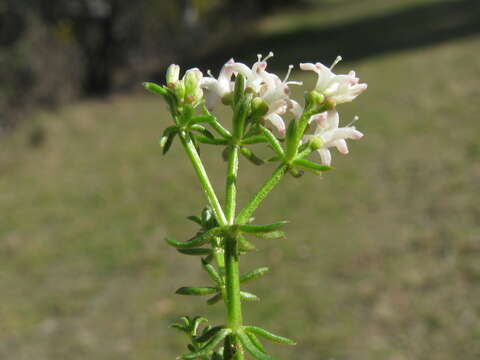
(410, 28)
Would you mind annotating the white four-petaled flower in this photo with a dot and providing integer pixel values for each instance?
(336, 88)
(331, 135)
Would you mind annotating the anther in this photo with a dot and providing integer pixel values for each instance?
(290, 67)
(337, 60)
(355, 119)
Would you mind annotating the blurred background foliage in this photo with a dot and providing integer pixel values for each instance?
(52, 51)
(382, 259)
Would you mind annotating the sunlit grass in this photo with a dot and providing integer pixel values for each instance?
(382, 255)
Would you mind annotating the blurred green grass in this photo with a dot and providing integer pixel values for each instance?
(381, 260)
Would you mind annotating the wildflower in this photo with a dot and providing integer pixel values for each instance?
(330, 134)
(336, 88)
(218, 88)
(268, 86)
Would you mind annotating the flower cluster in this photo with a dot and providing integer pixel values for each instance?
(272, 96)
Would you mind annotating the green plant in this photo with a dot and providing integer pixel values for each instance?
(260, 101)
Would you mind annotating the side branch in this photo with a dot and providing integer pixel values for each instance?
(203, 177)
(268, 186)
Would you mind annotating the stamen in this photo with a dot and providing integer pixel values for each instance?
(259, 57)
(209, 73)
(337, 60)
(355, 119)
(270, 54)
(290, 67)
(300, 83)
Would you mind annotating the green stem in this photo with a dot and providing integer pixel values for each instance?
(203, 177)
(232, 272)
(268, 186)
(232, 289)
(231, 187)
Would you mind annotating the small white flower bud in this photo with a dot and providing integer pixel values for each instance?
(173, 73)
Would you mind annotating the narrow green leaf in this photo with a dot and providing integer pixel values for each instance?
(195, 323)
(256, 342)
(244, 245)
(253, 229)
(208, 334)
(166, 133)
(275, 158)
(273, 141)
(268, 335)
(155, 88)
(196, 291)
(270, 235)
(178, 327)
(254, 140)
(186, 321)
(214, 275)
(166, 142)
(248, 296)
(202, 130)
(310, 165)
(195, 219)
(210, 141)
(252, 349)
(201, 119)
(196, 251)
(249, 155)
(214, 299)
(217, 339)
(195, 241)
(254, 274)
(291, 139)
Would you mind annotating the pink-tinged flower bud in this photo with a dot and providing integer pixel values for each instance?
(191, 80)
(180, 91)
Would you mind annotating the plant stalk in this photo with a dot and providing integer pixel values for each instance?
(232, 273)
(203, 177)
(268, 186)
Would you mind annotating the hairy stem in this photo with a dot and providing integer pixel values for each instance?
(268, 186)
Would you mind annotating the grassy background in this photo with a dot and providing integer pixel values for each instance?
(382, 259)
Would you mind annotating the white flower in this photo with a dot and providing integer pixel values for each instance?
(330, 134)
(268, 86)
(336, 88)
(218, 88)
(270, 89)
